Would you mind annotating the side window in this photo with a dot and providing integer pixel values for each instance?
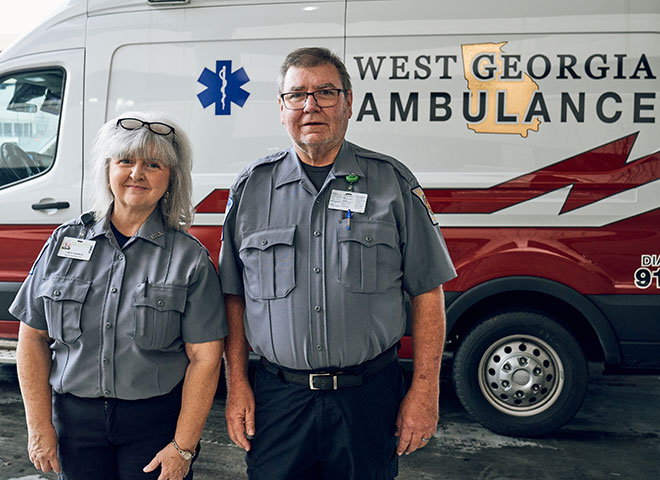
(30, 108)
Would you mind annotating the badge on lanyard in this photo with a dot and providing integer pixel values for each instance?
(343, 200)
(76, 248)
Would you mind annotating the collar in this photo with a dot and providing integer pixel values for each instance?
(346, 162)
(290, 170)
(152, 230)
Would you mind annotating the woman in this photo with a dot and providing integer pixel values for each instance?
(123, 319)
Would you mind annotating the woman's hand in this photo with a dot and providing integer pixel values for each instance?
(34, 362)
(42, 449)
(172, 466)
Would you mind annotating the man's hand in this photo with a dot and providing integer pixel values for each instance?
(172, 466)
(42, 449)
(417, 420)
(418, 413)
(239, 413)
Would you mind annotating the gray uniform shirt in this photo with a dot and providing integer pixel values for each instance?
(119, 320)
(319, 294)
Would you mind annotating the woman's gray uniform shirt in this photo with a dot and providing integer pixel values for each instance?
(119, 321)
(317, 293)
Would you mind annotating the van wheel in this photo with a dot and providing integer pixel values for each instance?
(520, 373)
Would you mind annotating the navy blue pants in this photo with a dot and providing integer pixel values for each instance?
(339, 435)
(111, 439)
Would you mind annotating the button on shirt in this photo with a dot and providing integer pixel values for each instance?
(119, 320)
(318, 294)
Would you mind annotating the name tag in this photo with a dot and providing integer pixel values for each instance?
(343, 200)
(76, 248)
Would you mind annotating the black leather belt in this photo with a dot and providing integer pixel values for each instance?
(328, 380)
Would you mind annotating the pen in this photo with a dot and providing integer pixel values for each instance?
(348, 219)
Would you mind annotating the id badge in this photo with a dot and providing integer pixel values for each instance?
(343, 200)
(76, 248)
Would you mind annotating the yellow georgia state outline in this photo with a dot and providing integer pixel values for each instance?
(518, 93)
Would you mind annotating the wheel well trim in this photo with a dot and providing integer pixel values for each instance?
(594, 316)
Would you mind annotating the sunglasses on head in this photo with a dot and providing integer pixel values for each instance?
(158, 128)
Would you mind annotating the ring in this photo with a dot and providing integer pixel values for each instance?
(425, 439)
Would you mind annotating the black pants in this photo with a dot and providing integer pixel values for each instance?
(111, 439)
(336, 435)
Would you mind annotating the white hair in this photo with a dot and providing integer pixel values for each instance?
(173, 150)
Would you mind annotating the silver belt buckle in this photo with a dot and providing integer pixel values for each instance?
(312, 376)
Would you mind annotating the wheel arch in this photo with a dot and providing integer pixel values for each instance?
(587, 322)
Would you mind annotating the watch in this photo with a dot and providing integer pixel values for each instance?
(184, 454)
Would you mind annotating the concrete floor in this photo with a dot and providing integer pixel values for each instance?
(616, 435)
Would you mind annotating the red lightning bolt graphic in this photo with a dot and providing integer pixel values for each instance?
(596, 174)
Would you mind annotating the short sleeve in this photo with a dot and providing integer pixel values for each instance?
(426, 260)
(204, 318)
(230, 267)
(27, 306)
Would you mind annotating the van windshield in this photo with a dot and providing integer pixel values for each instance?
(30, 108)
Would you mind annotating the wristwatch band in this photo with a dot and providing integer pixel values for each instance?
(184, 454)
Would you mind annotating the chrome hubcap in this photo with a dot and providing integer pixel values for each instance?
(521, 375)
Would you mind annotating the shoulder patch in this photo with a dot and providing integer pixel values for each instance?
(419, 193)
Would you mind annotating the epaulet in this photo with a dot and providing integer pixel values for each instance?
(196, 240)
(248, 169)
(86, 219)
(399, 167)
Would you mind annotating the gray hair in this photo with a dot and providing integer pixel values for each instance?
(308, 57)
(173, 150)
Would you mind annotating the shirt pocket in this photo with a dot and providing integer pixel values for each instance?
(369, 256)
(158, 310)
(268, 258)
(63, 301)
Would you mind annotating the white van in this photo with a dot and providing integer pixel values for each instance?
(532, 127)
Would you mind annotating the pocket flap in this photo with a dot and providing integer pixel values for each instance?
(368, 233)
(60, 288)
(266, 238)
(161, 297)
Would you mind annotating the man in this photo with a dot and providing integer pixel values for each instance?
(319, 242)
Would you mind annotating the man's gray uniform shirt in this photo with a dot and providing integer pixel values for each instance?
(317, 293)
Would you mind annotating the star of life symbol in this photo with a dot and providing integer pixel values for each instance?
(223, 87)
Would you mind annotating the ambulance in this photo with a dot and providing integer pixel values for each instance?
(531, 126)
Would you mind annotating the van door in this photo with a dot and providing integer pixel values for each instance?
(40, 160)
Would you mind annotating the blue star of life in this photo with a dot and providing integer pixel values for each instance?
(223, 87)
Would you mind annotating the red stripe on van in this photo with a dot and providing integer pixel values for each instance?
(20, 246)
(215, 202)
(595, 174)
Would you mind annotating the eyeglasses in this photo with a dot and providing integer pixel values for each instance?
(158, 128)
(328, 97)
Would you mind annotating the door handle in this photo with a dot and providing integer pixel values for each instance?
(48, 206)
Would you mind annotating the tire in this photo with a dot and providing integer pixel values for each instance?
(520, 373)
